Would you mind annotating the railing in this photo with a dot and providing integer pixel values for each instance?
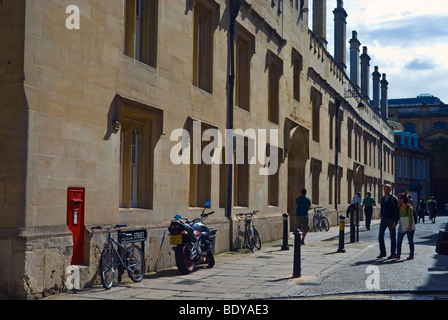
(419, 110)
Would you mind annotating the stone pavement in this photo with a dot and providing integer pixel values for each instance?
(264, 274)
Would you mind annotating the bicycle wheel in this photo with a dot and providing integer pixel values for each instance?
(315, 223)
(325, 224)
(107, 271)
(249, 239)
(257, 240)
(136, 263)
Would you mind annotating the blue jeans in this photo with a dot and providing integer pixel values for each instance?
(387, 224)
(410, 235)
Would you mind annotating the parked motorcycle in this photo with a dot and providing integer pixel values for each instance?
(192, 241)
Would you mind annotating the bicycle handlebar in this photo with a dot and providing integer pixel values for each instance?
(108, 228)
(248, 213)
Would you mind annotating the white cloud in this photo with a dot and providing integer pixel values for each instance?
(406, 39)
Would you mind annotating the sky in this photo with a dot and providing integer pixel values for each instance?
(406, 39)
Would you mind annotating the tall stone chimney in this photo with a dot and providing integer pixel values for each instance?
(340, 26)
(384, 103)
(320, 20)
(376, 89)
(354, 58)
(365, 72)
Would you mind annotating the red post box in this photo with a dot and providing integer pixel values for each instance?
(75, 222)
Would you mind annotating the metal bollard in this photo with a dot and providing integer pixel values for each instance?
(341, 233)
(352, 224)
(285, 245)
(297, 272)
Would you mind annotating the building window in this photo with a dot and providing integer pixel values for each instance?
(245, 48)
(316, 103)
(140, 129)
(205, 23)
(298, 67)
(275, 71)
(409, 127)
(405, 167)
(316, 167)
(331, 110)
(242, 179)
(413, 168)
(200, 172)
(349, 138)
(399, 167)
(141, 30)
(418, 168)
(440, 125)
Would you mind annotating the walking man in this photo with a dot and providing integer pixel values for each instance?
(303, 205)
(389, 220)
(367, 204)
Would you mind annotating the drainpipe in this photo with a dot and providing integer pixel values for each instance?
(234, 10)
(336, 153)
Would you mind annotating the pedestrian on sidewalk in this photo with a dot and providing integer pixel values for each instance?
(389, 219)
(303, 205)
(432, 206)
(414, 209)
(367, 204)
(422, 209)
(405, 226)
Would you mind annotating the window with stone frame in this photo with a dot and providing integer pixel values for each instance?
(138, 137)
(141, 24)
(245, 48)
(206, 19)
(297, 64)
(275, 71)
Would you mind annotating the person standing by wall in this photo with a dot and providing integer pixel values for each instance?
(303, 205)
(367, 204)
(389, 219)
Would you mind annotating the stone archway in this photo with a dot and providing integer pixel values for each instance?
(298, 155)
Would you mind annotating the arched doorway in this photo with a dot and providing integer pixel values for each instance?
(297, 157)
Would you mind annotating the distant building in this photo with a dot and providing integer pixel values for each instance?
(425, 117)
(412, 166)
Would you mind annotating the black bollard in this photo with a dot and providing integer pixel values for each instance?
(358, 216)
(341, 233)
(285, 245)
(297, 272)
(352, 223)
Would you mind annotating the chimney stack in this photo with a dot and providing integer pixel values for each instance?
(340, 25)
(376, 88)
(320, 20)
(384, 103)
(354, 58)
(365, 72)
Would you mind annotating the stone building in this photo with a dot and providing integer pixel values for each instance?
(96, 103)
(412, 166)
(425, 118)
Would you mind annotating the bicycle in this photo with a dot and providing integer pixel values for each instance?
(129, 258)
(251, 235)
(319, 221)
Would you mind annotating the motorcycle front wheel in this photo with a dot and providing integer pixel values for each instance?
(183, 262)
(210, 259)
